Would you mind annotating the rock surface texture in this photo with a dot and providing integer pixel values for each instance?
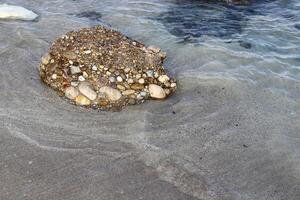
(108, 68)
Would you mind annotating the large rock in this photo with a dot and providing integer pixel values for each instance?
(16, 12)
(106, 62)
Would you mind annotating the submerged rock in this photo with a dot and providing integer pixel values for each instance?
(16, 12)
(102, 68)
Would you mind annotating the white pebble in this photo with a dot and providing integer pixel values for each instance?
(111, 93)
(71, 92)
(163, 78)
(86, 89)
(87, 52)
(54, 76)
(94, 68)
(141, 81)
(119, 79)
(81, 78)
(156, 91)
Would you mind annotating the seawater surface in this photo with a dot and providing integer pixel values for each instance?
(231, 131)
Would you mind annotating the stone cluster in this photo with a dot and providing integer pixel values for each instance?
(101, 68)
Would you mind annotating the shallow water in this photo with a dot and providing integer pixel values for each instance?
(230, 132)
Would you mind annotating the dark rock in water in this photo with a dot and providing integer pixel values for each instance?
(244, 44)
(189, 20)
(103, 69)
(92, 15)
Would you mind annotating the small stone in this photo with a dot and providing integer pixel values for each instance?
(143, 94)
(103, 103)
(74, 83)
(85, 75)
(71, 92)
(70, 55)
(150, 73)
(108, 73)
(156, 75)
(137, 86)
(121, 87)
(81, 78)
(130, 81)
(128, 92)
(139, 97)
(54, 76)
(101, 95)
(86, 89)
(87, 52)
(82, 100)
(173, 85)
(127, 69)
(112, 79)
(94, 68)
(163, 78)
(138, 76)
(134, 43)
(101, 66)
(75, 69)
(141, 81)
(156, 91)
(71, 62)
(167, 91)
(111, 93)
(119, 79)
(46, 59)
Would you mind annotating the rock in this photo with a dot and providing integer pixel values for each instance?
(16, 12)
(128, 92)
(54, 76)
(173, 85)
(82, 100)
(141, 81)
(150, 73)
(156, 91)
(94, 68)
(81, 78)
(102, 75)
(112, 79)
(71, 92)
(163, 78)
(86, 89)
(119, 79)
(121, 87)
(75, 69)
(137, 86)
(46, 59)
(111, 93)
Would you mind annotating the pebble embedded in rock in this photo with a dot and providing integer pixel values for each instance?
(103, 76)
(86, 89)
(82, 100)
(71, 92)
(128, 92)
(46, 59)
(156, 91)
(163, 78)
(75, 69)
(111, 93)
